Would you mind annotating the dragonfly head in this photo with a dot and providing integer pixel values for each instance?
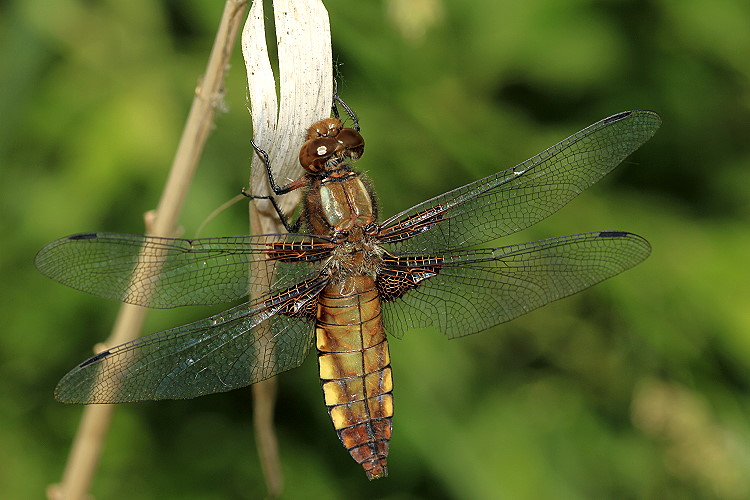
(328, 140)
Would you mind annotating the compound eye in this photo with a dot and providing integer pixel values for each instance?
(352, 141)
(316, 152)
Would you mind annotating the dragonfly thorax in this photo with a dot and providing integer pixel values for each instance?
(341, 206)
(362, 257)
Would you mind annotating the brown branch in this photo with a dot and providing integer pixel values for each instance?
(86, 449)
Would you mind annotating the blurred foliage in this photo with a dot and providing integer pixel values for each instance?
(637, 388)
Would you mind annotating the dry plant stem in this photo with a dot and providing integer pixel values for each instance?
(305, 91)
(264, 399)
(86, 449)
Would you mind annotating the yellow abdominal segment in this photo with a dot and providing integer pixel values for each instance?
(355, 370)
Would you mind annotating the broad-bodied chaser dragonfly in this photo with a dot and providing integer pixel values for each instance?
(347, 279)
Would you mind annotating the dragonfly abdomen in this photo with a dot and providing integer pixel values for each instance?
(355, 370)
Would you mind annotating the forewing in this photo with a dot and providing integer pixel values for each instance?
(477, 289)
(514, 199)
(168, 272)
(238, 347)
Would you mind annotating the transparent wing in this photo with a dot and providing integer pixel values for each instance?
(168, 272)
(516, 198)
(477, 289)
(238, 347)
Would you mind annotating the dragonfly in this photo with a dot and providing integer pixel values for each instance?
(341, 280)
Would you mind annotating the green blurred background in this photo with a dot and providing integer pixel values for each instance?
(637, 388)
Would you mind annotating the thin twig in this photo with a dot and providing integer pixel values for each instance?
(86, 449)
(305, 91)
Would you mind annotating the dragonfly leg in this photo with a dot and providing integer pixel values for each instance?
(349, 111)
(267, 163)
(291, 228)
